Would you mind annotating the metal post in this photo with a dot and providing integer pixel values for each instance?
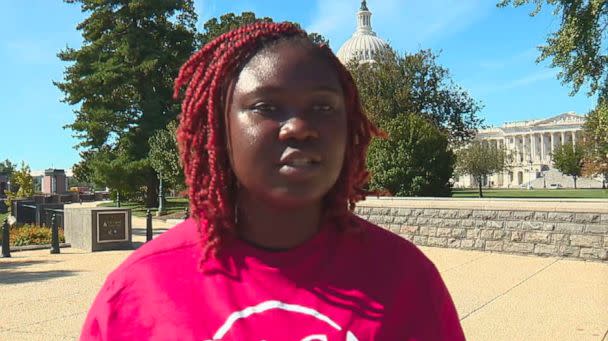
(54, 234)
(148, 225)
(161, 196)
(6, 247)
(117, 199)
(187, 213)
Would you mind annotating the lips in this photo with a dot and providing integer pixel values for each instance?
(298, 165)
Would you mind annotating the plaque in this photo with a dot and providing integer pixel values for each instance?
(111, 227)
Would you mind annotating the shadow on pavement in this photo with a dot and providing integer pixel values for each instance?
(14, 277)
(19, 264)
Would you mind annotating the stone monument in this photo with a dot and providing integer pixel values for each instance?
(98, 228)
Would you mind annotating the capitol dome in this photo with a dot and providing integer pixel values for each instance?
(364, 45)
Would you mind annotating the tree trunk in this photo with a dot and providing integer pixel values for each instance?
(479, 182)
(574, 177)
(152, 192)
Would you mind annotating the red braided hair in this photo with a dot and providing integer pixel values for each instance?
(203, 147)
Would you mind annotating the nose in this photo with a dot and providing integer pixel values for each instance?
(298, 128)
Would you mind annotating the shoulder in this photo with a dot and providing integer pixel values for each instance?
(383, 244)
(179, 246)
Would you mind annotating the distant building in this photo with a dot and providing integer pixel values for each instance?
(364, 45)
(54, 181)
(532, 143)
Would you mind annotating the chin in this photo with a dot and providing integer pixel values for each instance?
(294, 199)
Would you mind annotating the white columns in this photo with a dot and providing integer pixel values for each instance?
(524, 151)
(563, 138)
(573, 138)
(542, 147)
(533, 153)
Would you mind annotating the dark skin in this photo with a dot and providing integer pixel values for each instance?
(286, 129)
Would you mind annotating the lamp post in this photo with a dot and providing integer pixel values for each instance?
(530, 174)
(161, 196)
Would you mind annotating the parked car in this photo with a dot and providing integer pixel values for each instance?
(554, 186)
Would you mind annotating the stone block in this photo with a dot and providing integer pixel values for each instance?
(569, 227)
(451, 223)
(422, 221)
(538, 237)
(568, 251)
(499, 234)
(406, 236)
(448, 214)
(444, 232)
(400, 220)
(394, 228)
(404, 212)
(495, 224)
(467, 243)
(586, 218)
(483, 214)
(464, 214)
(473, 234)
(437, 241)
(454, 243)
(594, 253)
(604, 218)
(517, 236)
(560, 217)
(487, 234)
(459, 233)
(523, 215)
(585, 240)
(98, 228)
(540, 216)
(545, 250)
(467, 223)
(428, 231)
(532, 225)
(417, 212)
(388, 219)
(605, 242)
(503, 215)
(412, 220)
(548, 227)
(519, 247)
(560, 238)
(408, 229)
(375, 219)
(420, 240)
(435, 222)
(480, 224)
(597, 228)
(513, 224)
(494, 245)
(432, 213)
(479, 244)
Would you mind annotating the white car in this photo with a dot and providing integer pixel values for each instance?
(554, 186)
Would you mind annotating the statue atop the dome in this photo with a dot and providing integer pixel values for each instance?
(364, 6)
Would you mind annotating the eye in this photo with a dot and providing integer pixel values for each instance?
(322, 107)
(264, 108)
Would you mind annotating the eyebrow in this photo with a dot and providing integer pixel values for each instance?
(326, 89)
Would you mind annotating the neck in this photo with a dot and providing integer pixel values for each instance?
(275, 227)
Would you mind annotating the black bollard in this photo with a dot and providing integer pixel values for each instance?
(187, 211)
(6, 247)
(148, 226)
(54, 235)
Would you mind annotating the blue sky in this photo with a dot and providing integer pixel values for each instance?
(489, 51)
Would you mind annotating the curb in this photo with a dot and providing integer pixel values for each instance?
(36, 247)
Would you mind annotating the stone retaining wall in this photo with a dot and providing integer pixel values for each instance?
(582, 235)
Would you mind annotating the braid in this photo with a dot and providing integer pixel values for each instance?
(201, 136)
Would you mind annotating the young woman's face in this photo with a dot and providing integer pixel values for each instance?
(286, 125)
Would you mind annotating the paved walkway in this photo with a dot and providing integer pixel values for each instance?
(498, 296)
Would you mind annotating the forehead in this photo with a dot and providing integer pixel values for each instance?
(288, 66)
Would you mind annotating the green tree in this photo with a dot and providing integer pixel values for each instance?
(121, 79)
(578, 47)
(24, 180)
(215, 27)
(414, 161)
(568, 159)
(415, 83)
(8, 168)
(164, 156)
(480, 160)
(596, 144)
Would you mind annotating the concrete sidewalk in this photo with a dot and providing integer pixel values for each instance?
(498, 296)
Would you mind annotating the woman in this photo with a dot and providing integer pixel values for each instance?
(273, 142)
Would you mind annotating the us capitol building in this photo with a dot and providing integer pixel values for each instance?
(531, 143)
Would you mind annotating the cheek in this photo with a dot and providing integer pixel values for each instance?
(250, 140)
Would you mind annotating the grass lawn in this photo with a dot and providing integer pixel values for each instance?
(533, 193)
(173, 205)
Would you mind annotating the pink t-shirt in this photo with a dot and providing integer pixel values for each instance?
(372, 285)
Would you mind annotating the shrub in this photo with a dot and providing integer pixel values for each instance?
(32, 235)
